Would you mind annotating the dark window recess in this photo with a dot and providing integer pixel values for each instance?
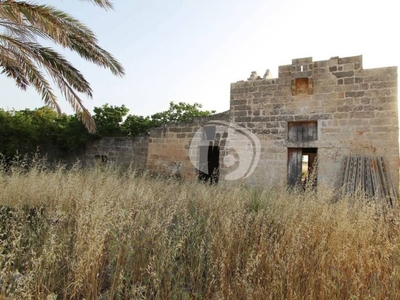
(100, 160)
(209, 164)
(302, 131)
(302, 166)
(209, 133)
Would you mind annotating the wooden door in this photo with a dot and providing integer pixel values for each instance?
(295, 156)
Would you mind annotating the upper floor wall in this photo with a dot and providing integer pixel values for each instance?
(355, 110)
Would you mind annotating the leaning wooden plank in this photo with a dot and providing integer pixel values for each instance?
(346, 170)
(390, 195)
(353, 174)
(350, 182)
(368, 180)
(358, 174)
(375, 184)
(382, 174)
(362, 174)
(393, 191)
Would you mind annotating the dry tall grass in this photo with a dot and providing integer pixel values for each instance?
(101, 234)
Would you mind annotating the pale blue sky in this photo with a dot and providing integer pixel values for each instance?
(192, 50)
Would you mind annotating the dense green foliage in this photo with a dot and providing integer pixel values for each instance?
(179, 113)
(108, 119)
(31, 131)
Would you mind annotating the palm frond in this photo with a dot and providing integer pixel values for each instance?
(102, 3)
(76, 103)
(51, 61)
(62, 29)
(16, 64)
(13, 71)
(21, 57)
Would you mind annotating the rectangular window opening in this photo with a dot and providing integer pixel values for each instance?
(100, 160)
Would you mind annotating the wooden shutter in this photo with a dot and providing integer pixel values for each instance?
(302, 131)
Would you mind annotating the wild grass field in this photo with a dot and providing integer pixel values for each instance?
(103, 234)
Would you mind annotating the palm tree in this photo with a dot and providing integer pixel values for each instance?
(26, 61)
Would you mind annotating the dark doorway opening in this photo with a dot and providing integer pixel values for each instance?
(209, 163)
(302, 166)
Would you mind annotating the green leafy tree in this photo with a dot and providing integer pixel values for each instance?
(179, 113)
(113, 120)
(8, 128)
(108, 119)
(42, 130)
(26, 131)
(70, 134)
(26, 61)
(136, 125)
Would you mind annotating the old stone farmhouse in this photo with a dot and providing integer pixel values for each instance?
(331, 118)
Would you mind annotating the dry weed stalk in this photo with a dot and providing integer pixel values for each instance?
(103, 234)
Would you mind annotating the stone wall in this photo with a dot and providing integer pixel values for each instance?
(169, 147)
(324, 109)
(355, 111)
(118, 151)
